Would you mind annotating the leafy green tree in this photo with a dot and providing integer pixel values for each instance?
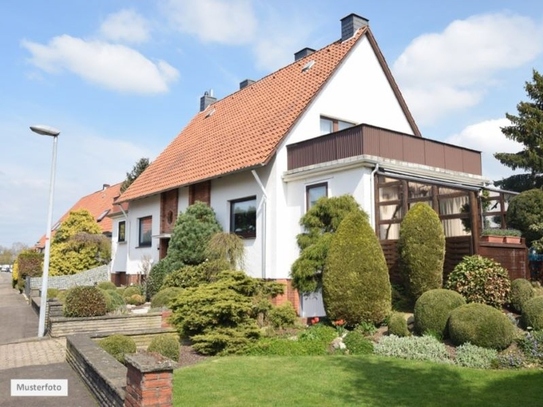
(78, 245)
(527, 129)
(422, 250)
(188, 245)
(131, 176)
(9, 254)
(319, 223)
(525, 213)
(355, 284)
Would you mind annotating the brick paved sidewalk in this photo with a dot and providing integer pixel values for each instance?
(32, 352)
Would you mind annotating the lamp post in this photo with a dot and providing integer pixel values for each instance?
(47, 131)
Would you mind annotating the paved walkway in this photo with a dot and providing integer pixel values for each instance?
(25, 356)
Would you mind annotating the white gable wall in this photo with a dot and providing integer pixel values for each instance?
(358, 92)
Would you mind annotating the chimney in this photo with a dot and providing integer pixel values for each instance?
(350, 24)
(105, 186)
(245, 83)
(303, 53)
(207, 100)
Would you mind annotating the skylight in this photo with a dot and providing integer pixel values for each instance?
(102, 215)
(308, 66)
(210, 112)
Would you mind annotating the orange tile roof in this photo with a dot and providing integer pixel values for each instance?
(96, 203)
(244, 129)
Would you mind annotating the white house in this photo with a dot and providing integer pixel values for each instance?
(332, 122)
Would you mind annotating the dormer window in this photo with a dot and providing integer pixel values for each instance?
(329, 125)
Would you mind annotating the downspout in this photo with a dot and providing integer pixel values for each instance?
(372, 192)
(262, 207)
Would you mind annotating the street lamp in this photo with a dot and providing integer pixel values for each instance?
(47, 131)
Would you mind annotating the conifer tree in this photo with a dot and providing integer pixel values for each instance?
(527, 129)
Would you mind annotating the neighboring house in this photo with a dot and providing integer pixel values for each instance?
(99, 204)
(333, 122)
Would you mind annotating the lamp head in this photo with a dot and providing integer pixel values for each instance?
(45, 130)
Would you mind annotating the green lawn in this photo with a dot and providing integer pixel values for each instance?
(369, 381)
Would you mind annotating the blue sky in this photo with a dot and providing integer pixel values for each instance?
(121, 78)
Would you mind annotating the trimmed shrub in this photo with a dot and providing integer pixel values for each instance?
(167, 345)
(413, 347)
(319, 223)
(432, 311)
(52, 292)
(154, 281)
(130, 291)
(481, 325)
(193, 276)
(521, 291)
(532, 314)
(220, 317)
(314, 341)
(473, 356)
(358, 344)
(107, 285)
(165, 296)
(118, 346)
(525, 210)
(114, 300)
(421, 250)
(135, 299)
(84, 301)
(356, 285)
(481, 280)
(283, 316)
(397, 325)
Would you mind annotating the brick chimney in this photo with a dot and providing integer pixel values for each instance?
(207, 100)
(303, 53)
(350, 24)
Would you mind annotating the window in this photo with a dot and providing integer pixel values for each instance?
(332, 125)
(122, 231)
(145, 231)
(314, 192)
(243, 217)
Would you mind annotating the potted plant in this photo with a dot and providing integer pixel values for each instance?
(501, 235)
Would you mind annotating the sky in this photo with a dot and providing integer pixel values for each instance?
(121, 78)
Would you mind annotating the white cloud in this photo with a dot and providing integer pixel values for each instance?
(112, 66)
(227, 22)
(442, 72)
(487, 137)
(125, 26)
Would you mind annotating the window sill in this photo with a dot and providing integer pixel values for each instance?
(143, 246)
(121, 241)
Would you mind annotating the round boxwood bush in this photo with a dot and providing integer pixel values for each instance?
(165, 296)
(118, 345)
(355, 282)
(481, 280)
(397, 324)
(422, 250)
(107, 285)
(114, 300)
(532, 314)
(167, 345)
(282, 316)
(480, 325)
(84, 301)
(521, 291)
(432, 311)
(358, 344)
(135, 299)
(130, 291)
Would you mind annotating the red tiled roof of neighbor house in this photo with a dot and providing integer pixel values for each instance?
(244, 129)
(99, 204)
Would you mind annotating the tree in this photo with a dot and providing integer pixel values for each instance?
(422, 250)
(355, 284)
(131, 176)
(527, 129)
(78, 245)
(191, 234)
(319, 223)
(9, 255)
(525, 213)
